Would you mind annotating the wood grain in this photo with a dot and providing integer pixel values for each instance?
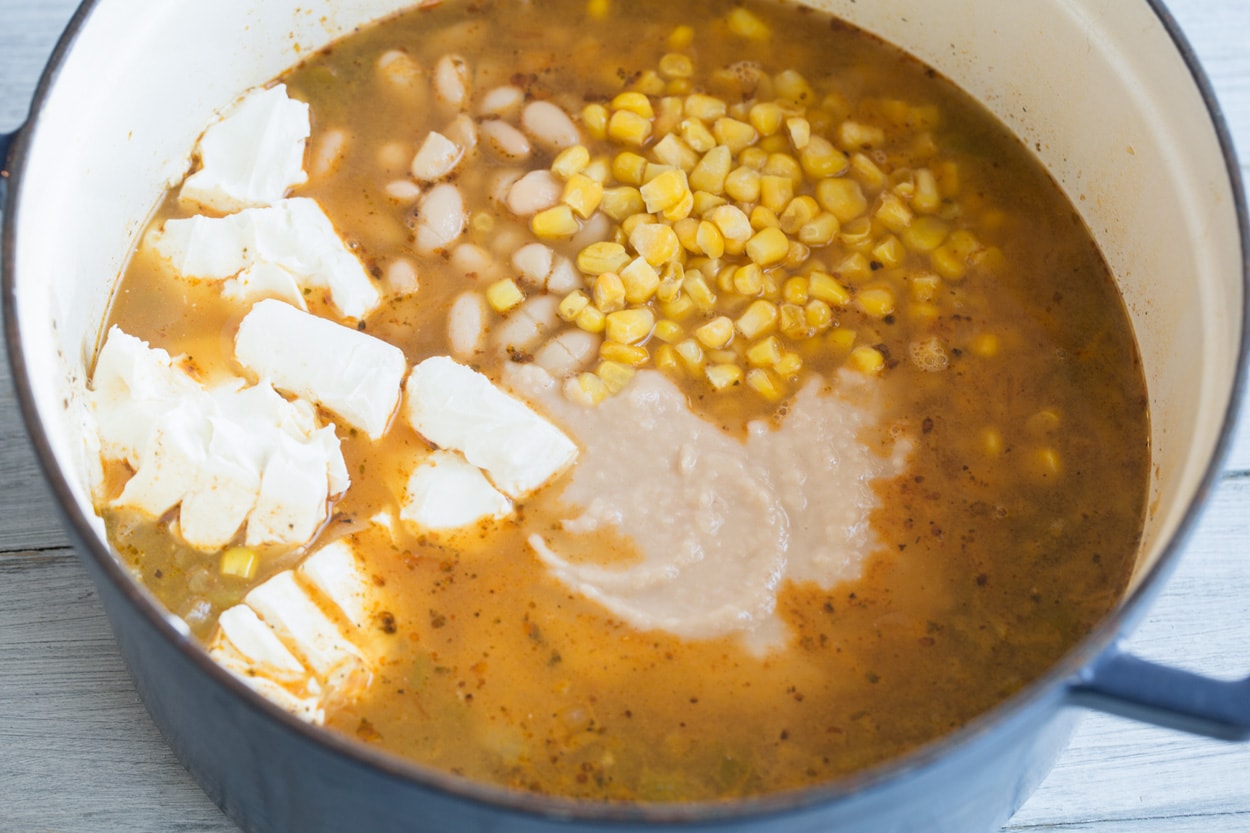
(78, 753)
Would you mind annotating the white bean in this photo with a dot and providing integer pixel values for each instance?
(451, 81)
(440, 219)
(502, 102)
(465, 322)
(437, 157)
(534, 261)
(327, 153)
(549, 126)
(597, 229)
(567, 353)
(463, 131)
(524, 327)
(506, 140)
(474, 262)
(400, 70)
(401, 277)
(507, 239)
(403, 191)
(534, 192)
(500, 184)
(395, 156)
(564, 277)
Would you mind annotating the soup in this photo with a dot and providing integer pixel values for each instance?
(626, 402)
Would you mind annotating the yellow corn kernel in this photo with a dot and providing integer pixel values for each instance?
(766, 117)
(629, 326)
(666, 359)
(615, 375)
(925, 286)
(681, 37)
(648, 83)
(599, 169)
(572, 305)
(725, 278)
(672, 150)
(889, 252)
(723, 376)
(796, 255)
(768, 246)
(818, 314)
(854, 135)
(795, 291)
(504, 295)
(582, 194)
(634, 102)
(791, 86)
(669, 332)
(947, 175)
(743, 184)
(681, 210)
(876, 301)
(240, 562)
(820, 230)
(709, 239)
(820, 159)
(736, 135)
(557, 221)
(765, 353)
(840, 340)
(923, 313)
(767, 385)
(824, 287)
(628, 167)
(759, 318)
(640, 280)
(716, 333)
(630, 128)
(691, 354)
(604, 256)
(706, 108)
(984, 345)
(1045, 464)
(992, 442)
(656, 242)
(619, 203)
(609, 292)
(927, 198)
(711, 172)
(747, 280)
(753, 158)
(687, 229)
(666, 190)
(1044, 422)
(676, 65)
(705, 202)
(893, 213)
(797, 213)
(744, 24)
(863, 169)
(670, 282)
(633, 355)
(799, 130)
(679, 308)
(598, 9)
(586, 389)
(841, 197)
(570, 161)
(789, 364)
(854, 268)
(867, 359)
(776, 192)
(696, 135)
(699, 292)
(950, 260)
(903, 183)
(595, 118)
(669, 114)
(925, 234)
(733, 223)
(763, 217)
(793, 322)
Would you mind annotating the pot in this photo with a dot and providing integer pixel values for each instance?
(1140, 145)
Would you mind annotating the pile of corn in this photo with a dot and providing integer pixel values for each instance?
(748, 236)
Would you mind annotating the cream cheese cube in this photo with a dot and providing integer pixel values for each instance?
(334, 571)
(353, 374)
(445, 493)
(264, 280)
(294, 234)
(253, 155)
(248, 649)
(455, 407)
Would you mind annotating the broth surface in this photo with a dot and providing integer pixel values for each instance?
(1010, 534)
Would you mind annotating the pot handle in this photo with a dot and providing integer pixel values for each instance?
(1121, 684)
(6, 140)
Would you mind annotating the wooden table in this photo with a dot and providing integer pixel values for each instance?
(78, 752)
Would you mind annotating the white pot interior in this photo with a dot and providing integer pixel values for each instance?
(1096, 88)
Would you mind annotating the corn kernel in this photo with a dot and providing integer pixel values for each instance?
(648, 83)
(927, 197)
(628, 167)
(798, 212)
(893, 213)
(763, 217)
(876, 301)
(630, 326)
(696, 135)
(672, 150)
(922, 312)
(670, 282)
(711, 172)
(705, 202)
(766, 117)
(789, 364)
(572, 304)
(583, 195)
(691, 354)
(634, 102)
(656, 242)
(595, 119)
(557, 221)
(679, 308)
(759, 318)
(1045, 464)
(676, 65)
(765, 384)
(747, 280)
(736, 135)
(783, 165)
(753, 158)
(1043, 422)
(792, 86)
(800, 132)
(570, 161)
(585, 389)
(984, 345)
(640, 280)
(598, 9)
(630, 128)
(681, 210)
(867, 359)
(591, 319)
(716, 333)
(622, 202)
(854, 135)
(669, 332)
(840, 340)
(681, 37)
(820, 230)
(699, 292)
(504, 295)
(601, 257)
(240, 562)
(826, 288)
(841, 197)
(889, 252)
(863, 169)
(743, 184)
(633, 355)
(666, 359)
(615, 375)
(744, 24)
(709, 239)
(776, 192)
(609, 292)
(992, 442)
(765, 352)
(819, 315)
(687, 229)
(723, 376)
(665, 190)
(706, 108)
(793, 322)
(925, 234)
(768, 246)
(854, 268)
(925, 286)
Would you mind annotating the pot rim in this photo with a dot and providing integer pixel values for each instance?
(1048, 686)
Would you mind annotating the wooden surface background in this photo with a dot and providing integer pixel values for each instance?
(78, 752)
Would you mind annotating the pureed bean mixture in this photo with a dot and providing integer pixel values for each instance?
(953, 274)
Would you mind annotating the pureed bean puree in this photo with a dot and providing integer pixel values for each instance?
(860, 426)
